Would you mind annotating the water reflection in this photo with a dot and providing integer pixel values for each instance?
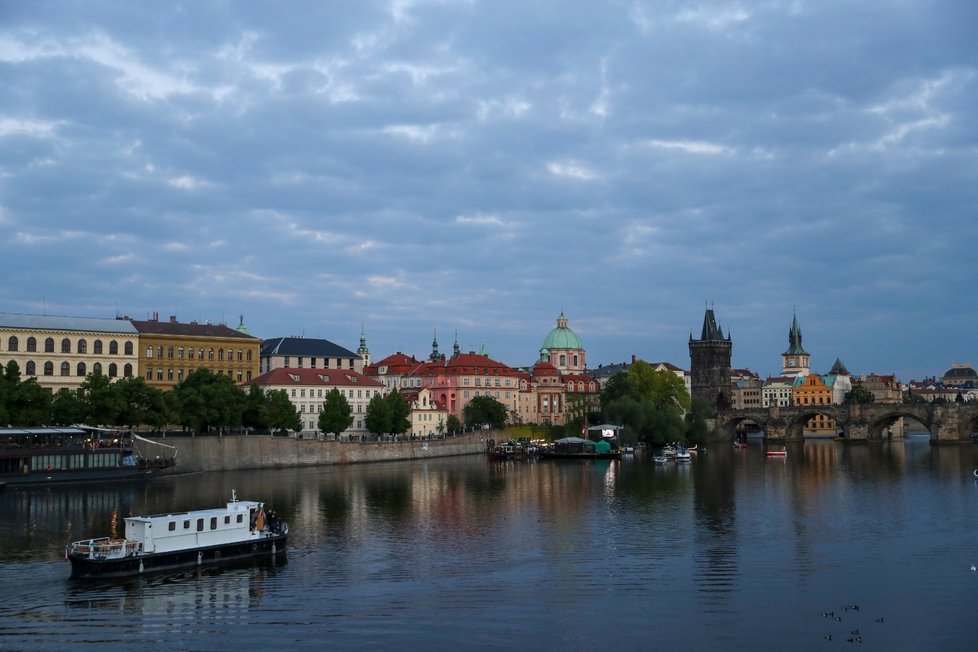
(566, 554)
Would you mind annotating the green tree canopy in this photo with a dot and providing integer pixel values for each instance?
(400, 410)
(337, 414)
(103, 402)
(485, 409)
(378, 416)
(206, 400)
(858, 395)
(280, 412)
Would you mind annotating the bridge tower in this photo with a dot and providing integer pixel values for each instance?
(709, 359)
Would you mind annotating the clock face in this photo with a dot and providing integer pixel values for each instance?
(791, 363)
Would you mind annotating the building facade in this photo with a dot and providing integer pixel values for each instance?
(308, 353)
(60, 352)
(169, 351)
(307, 389)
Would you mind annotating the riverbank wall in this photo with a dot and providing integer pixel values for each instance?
(229, 453)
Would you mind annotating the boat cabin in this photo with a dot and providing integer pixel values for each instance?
(183, 530)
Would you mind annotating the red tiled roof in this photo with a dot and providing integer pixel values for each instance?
(544, 368)
(396, 363)
(155, 327)
(330, 377)
(464, 364)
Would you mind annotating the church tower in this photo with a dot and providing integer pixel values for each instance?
(710, 363)
(795, 361)
(362, 351)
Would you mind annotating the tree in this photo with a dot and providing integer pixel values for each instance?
(68, 408)
(255, 414)
(208, 400)
(103, 403)
(280, 412)
(452, 424)
(378, 417)
(700, 410)
(337, 414)
(485, 409)
(30, 404)
(650, 403)
(858, 395)
(142, 404)
(400, 410)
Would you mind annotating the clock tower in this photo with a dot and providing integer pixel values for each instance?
(795, 361)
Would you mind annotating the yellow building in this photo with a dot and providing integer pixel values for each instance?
(812, 390)
(60, 352)
(169, 351)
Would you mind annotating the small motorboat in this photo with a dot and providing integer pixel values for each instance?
(738, 445)
(659, 459)
(777, 452)
(974, 474)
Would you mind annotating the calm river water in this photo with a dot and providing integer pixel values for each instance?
(733, 552)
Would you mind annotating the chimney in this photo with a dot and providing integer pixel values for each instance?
(173, 319)
(633, 358)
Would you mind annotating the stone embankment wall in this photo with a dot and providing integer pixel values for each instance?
(195, 454)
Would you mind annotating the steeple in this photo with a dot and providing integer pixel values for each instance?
(796, 361)
(839, 369)
(794, 338)
(363, 351)
(434, 347)
(711, 330)
(456, 349)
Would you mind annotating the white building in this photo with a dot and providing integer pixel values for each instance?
(307, 389)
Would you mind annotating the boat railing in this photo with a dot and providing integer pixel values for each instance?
(105, 548)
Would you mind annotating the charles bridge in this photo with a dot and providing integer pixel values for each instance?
(947, 423)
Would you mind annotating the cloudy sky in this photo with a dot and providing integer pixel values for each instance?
(481, 166)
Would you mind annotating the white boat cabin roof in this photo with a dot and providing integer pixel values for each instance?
(233, 507)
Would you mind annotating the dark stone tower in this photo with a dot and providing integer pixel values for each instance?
(709, 359)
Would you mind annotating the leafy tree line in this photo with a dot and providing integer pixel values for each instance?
(201, 402)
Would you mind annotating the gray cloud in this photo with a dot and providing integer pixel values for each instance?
(482, 166)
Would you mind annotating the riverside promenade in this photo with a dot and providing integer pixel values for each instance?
(238, 452)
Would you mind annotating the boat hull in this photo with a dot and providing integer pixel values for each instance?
(581, 456)
(268, 547)
(79, 475)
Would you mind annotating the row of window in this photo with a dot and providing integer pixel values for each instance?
(347, 393)
(316, 408)
(81, 369)
(287, 363)
(13, 344)
(179, 351)
(178, 375)
(172, 526)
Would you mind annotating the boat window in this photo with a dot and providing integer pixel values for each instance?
(227, 520)
(173, 526)
(200, 525)
(240, 518)
(186, 525)
(213, 522)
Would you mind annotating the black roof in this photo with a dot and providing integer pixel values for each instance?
(304, 346)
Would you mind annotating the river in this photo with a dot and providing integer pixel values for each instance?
(732, 552)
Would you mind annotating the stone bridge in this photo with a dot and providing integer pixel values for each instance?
(946, 422)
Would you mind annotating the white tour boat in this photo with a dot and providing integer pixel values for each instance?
(238, 531)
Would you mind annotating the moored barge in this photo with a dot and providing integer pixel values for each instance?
(239, 531)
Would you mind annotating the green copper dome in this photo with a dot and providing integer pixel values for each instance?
(562, 337)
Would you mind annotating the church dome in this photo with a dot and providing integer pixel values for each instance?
(562, 337)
